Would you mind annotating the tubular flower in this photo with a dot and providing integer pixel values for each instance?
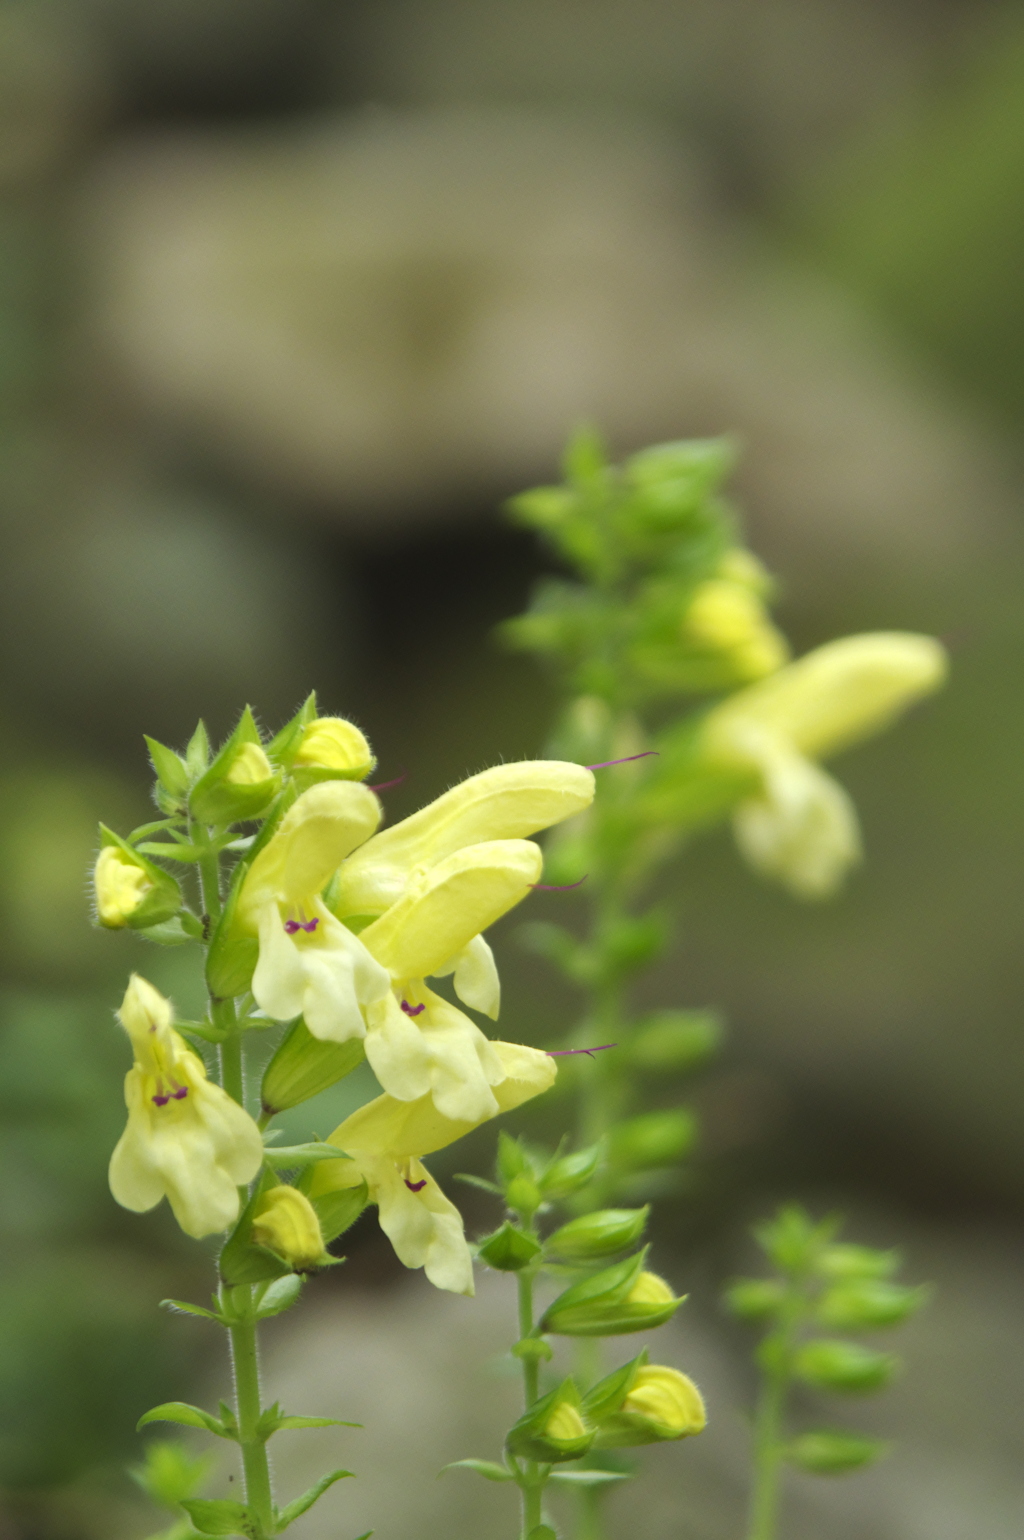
(435, 885)
(800, 826)
(386, 1140)
(309, 963)
(186, 1139)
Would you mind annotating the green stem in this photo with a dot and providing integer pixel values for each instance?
(258, 1494)
(533, 1483)
(231, 1076)
(769, 1417)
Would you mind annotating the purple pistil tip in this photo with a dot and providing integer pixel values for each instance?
(412, 1010)
(291, 926)
(558, 887)
(414, 1186)
(629, 757)
(559, 1053)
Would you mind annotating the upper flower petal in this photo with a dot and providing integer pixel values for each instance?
(445, 906)
(323, 826)
(505, 802)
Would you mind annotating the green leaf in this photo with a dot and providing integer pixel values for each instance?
(301, 1504)
(172, 932)
(182, 1307)
(278, 1296)
(509, 1249)
(287, 1156)
(188, 1416)
(171, 770)
(217, 1516)
(171, 852)
(273, 1420)
(830, 1454)
(588, 1478)
(489, 1469)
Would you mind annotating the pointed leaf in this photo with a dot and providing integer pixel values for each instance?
(301, 1504)
(217, 1516)
(182, 1307)
(489, 1469)
(278, 1296)
(197, 755)
(588, 1478)
(285, 1157)
(187, 1416)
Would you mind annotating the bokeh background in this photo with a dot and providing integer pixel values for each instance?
(293, 293)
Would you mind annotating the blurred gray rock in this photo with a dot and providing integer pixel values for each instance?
(389, 311)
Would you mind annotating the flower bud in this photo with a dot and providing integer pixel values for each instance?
(829, 1454)
(660, 1404)
(620, 1299)
(869, 1302)
(286, 1223)
(652, 1139)
(729, 618)
(844, 1366)
(335, 746)
(509, 1249)
(303, 1066)
(675, 1040)
(241, 781)
(754, 1299)
(599, 1234)
(129, 889)
(523, 1195)
(552, 1430)
(569, 1173)
(846, 1261)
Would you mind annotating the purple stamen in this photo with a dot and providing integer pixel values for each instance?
(413, 1010)
(414, 1186)
(606, 762)
(558, 887)
(180, 1092)
(291, 926)
(387, 785)
(558, 1053)
(161, 1101)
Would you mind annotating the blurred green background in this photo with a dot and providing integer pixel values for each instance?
(293, 293)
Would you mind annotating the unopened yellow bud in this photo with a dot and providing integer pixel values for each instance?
(332, 743)
(742, 566)
(729, 616)
(667, 1400)
(649, 1289)
(250, 767)
(121, 886)
(286, 1223)
(565, 1424)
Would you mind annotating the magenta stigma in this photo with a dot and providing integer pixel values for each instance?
(412, 1010)
(629, 757)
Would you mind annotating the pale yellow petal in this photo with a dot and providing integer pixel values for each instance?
(323, 826)
(425, 1229)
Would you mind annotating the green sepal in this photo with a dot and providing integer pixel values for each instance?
(301, 1504)
(512, 1160)
(533, 1347)
(568, 1173)
(599, 1234)
(197, 755)
(272, 1420)
(509, 1249)
(218, 1516)
(337, 1211)
(489, 1469)
(171, 770)
(608, 1394)
(830, 1453)
(175, 931)
(183, 1307)
(831, 1364)
(164, 898)
(531, 1439)
(284, 744)
(288, 1157)
(277, 1296)
(215, 800)
(303, 1066)
(243, 1262)
(599, 1306)
(188, 1417)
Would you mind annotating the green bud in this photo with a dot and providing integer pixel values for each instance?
(828, 1454)
(553, 1429)
(753, 1299)
(675, 1040)
(509, 1249)
(512, 1158)
(792, 1240)
(599, 1234)
(631, 943)
(619, 1299)
(845, 1261)
(652, 1139)
(303, 1066)
(131, 890)
(869, 1302)
(523, 1195)
(240, 783)
(844, 1366)
(569, 1173)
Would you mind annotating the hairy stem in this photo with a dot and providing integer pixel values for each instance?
(258, 1495)
(532, 1487)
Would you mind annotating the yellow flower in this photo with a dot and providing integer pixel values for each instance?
(250, 767)
(186, 1139)
(121, 886)
(386, 1139)
(800, 826)
(286, 1223)
(667, 1401)
(332, 743)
